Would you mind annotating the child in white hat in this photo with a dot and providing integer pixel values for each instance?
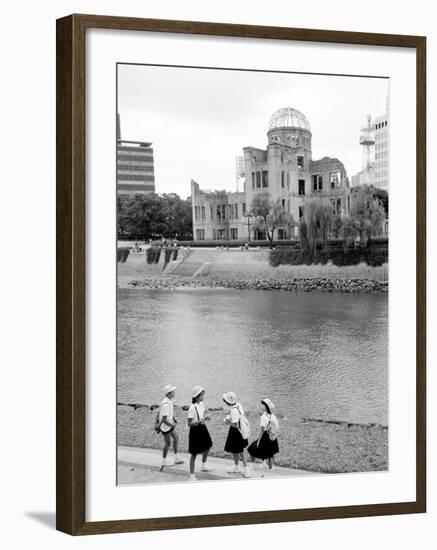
(167, 426)
(199, 440)
(239, 431)
(266, 446)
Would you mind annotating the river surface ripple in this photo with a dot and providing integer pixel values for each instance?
(317, 355)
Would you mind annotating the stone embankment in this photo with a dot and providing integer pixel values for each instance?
(300, 284)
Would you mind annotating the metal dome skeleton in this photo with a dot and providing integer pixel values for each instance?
(287, 117)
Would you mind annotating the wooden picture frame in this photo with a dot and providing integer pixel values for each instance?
(71, 247)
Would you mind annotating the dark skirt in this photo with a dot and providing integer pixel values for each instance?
(199, 439)
(266, 448)
(235, 442)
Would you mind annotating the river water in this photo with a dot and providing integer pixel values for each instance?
(317, 355)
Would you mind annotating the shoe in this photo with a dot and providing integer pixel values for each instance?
(206, 468)
(233, 469)
(168, 462)
(178, 459)
(246, 472)
(192, 477)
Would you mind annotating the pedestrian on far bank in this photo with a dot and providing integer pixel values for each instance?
(266, 446)
(167, 426)
(239, 431)
(199, 440)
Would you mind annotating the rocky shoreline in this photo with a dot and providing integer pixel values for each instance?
(312, 444)
(309, 284)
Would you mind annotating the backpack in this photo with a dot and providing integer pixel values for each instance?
(158, 422)
(273, 428)
(243, 425)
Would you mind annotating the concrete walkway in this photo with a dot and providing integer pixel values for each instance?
(140, 466)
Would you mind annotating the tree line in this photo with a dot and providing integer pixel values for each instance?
(154, 216)
(320, 222)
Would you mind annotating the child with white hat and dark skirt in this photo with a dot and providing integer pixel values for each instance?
(239, 427)
(166, 425)
(266, 446)
(199, 440)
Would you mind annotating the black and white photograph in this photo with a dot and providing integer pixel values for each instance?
(252, 274)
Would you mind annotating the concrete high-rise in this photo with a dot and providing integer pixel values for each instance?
(135, 166)
(382, 152)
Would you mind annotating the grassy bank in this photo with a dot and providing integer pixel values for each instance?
(307, 444)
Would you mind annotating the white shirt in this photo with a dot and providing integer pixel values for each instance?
(236, 411)
(166, 410)
(196, 411)
(266, 418)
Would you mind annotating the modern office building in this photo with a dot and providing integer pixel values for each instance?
(286, 170)
(135, 167)
(382, 152)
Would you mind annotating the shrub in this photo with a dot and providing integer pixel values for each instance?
(376, 256)
(153, 254)
(122, 254)
(381, 241)
(320, 257)
(286, 255)
(349, 257)
(168, 255)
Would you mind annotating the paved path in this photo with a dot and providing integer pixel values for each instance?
(139, 466)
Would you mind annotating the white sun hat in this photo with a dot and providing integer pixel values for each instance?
(169, 388)
(230, 398)
(197, 390)
(269, 403)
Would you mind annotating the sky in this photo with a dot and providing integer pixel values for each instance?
(200, 119)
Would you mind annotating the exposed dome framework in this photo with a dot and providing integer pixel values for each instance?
(287, 117)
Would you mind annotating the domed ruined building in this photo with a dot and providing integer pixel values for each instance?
(286, 170)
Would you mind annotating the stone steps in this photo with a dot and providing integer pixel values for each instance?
(194, 261)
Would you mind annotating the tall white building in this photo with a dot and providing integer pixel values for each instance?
(382, 152)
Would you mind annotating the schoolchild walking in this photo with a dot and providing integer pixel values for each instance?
(266, 446)
(165, 424)
(199, 440)
(239, 431)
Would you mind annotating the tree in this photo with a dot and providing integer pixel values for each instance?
(303, 237)
(367, 213)
(347, 231)
(178, 216)
(382, 195)
(318, 217)
(269, 215)
(154, 216)
(336, 226)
